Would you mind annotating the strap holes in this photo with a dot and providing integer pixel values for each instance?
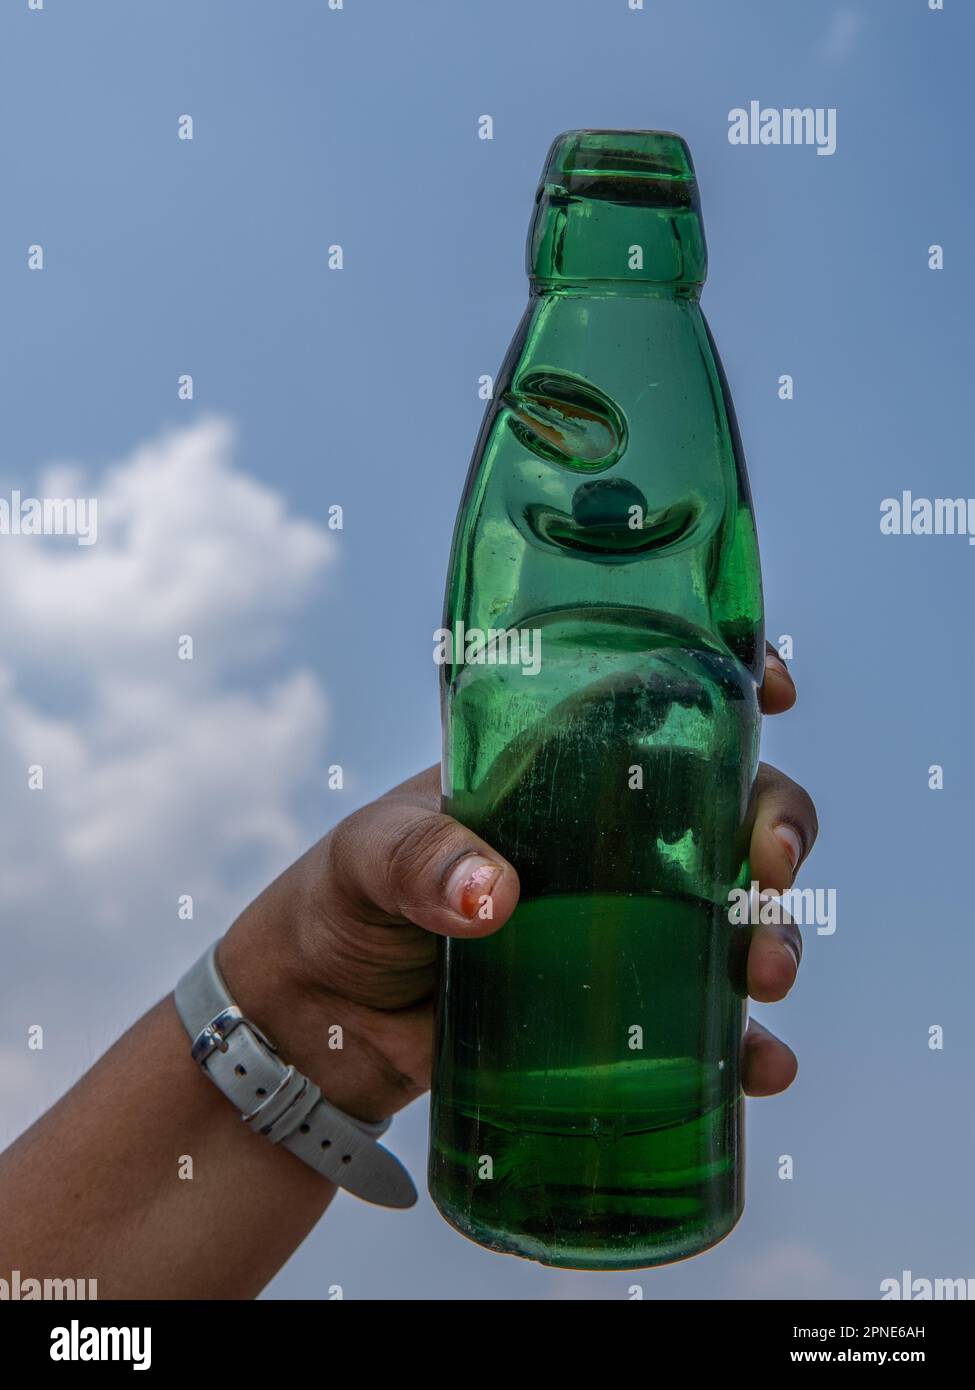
(260, 1091)
(304, 1129)
(326, 1143)
(346, 1158)
(241, 1071)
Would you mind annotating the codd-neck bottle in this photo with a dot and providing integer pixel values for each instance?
(601, 729)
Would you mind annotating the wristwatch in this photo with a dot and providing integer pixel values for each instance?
(276, 1100)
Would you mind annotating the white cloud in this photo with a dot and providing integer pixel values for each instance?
(161, 776)
(153, 802)
(841, 36)
(186, 544)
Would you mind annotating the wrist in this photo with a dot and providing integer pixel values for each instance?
(325, 1036)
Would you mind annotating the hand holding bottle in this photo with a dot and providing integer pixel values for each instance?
(349, 933)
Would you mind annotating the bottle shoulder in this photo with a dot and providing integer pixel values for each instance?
(608, 469)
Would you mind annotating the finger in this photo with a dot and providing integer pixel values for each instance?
(395, 860)
(768, 1064)
(785, 829)
(774, 953)
(778, 690)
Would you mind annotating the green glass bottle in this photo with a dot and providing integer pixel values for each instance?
(601, 729)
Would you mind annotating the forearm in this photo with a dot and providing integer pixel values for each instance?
(144, 1178)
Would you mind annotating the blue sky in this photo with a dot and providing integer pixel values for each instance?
(313, 387)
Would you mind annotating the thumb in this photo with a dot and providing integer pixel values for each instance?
(404, 862)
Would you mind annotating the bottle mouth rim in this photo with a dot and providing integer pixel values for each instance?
(614, 154)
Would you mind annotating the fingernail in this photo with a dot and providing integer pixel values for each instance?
(792, 952)
(790, 842)
(470, 882)
(777, 664)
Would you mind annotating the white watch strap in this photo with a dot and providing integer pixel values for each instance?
(276, 1100)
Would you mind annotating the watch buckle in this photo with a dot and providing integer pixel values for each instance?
(213, 1037)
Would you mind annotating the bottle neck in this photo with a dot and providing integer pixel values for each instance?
(618, 212)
